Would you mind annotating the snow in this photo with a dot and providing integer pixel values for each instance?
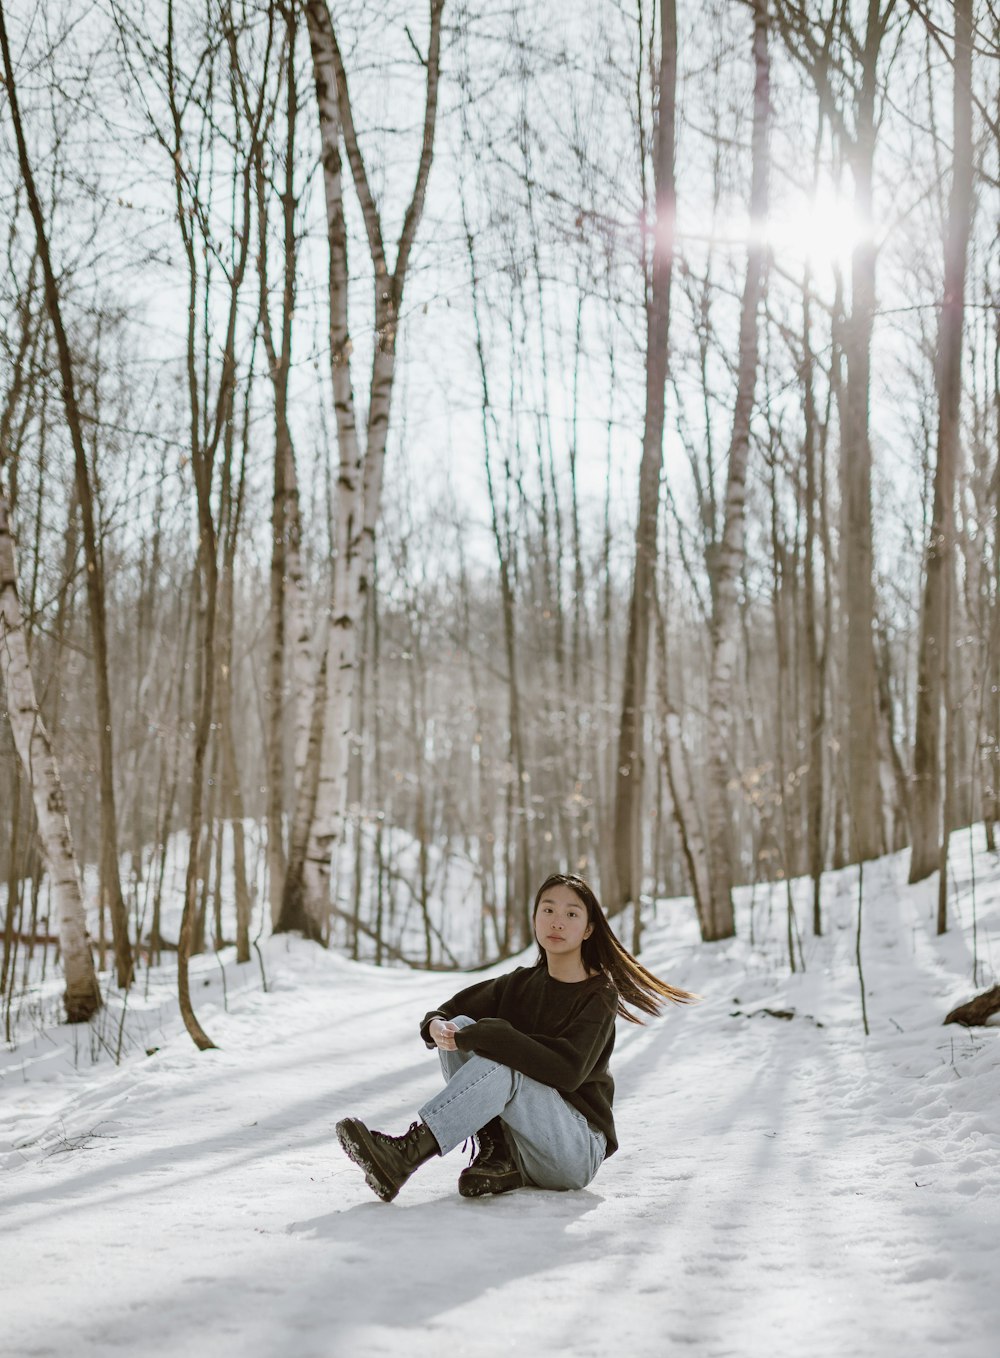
(785, 1187)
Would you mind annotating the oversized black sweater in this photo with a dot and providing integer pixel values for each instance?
(558, 1032)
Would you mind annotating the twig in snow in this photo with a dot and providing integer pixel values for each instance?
(225, 989)
(260, 959)
(121, 1030)
(975, 922)
(857, 946)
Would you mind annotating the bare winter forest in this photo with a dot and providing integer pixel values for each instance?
(444, 442)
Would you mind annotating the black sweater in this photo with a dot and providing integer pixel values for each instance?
(560, 1033)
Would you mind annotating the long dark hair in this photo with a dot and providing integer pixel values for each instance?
(605, 956)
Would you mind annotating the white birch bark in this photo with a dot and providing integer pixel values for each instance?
(82, 996)
(726, 619)
(316, 825)
(357, 513)
(299, 629)
(319, 817)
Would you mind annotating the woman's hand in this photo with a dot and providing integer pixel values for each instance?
(443, 1034)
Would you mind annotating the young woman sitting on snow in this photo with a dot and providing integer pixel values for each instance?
(525, 1057)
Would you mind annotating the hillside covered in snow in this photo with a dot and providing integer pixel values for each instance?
(786, 1186)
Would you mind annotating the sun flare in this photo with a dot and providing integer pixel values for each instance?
(822, 229)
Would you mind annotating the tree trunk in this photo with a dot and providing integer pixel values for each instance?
(360, 475)
(294, 915)
(815, 655)
(231, 799)
(82, 996)
(950, 722)
(729, 562)
(289, 660)
(631, 765)
(304, 899)
(933, 658)
(991, 681)
(276, 687)
(95, 573)
(682, 793)
(203, 448)
(864, 785)
(517, 928)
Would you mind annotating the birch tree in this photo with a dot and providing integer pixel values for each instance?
(110, 878)
(317, 828)
(716, 914)
(82, 996)
(32, 741)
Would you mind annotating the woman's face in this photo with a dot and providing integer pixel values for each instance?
(561, 922)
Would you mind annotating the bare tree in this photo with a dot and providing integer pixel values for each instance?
(517, 848)
(935, 648)
(290, 667)
(210, 415)
(95, 568)
(658, 271)
(716, 913)
(831, 51)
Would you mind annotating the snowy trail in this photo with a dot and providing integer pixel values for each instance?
(783, 1188)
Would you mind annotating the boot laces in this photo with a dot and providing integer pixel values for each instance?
(488, 1151)
(395, 1141)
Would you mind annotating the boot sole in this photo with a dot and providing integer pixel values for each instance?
(357, 1145)
(486, 1185)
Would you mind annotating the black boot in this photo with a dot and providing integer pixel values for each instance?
(388, 1161)
(493, 1170)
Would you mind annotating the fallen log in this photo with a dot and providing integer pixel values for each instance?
(976, 1011)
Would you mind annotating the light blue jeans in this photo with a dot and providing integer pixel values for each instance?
(553, 1144)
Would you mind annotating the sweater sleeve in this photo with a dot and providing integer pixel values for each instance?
(478, 1001)
(564, 1062)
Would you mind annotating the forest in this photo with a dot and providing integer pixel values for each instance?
(444, 443)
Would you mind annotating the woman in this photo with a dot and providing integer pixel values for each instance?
(525, 1057)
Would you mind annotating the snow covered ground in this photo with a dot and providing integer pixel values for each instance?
(785, 1186)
